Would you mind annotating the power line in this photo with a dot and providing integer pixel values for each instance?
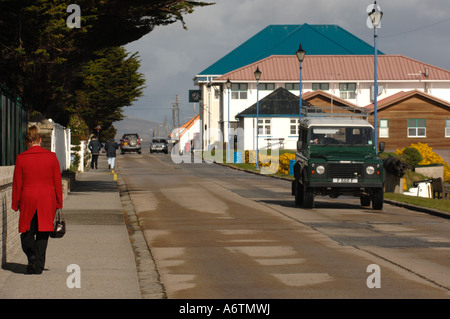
(415, 30)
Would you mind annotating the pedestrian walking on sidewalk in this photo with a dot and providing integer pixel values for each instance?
(36, 193)
(110, 147)
(94, 146)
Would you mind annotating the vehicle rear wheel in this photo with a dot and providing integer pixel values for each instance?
(378, 199)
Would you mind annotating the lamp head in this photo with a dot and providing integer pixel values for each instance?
(257, 74)
(228, 83)
(375, 15)
(300, 53)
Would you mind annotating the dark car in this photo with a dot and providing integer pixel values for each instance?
(130, 143)
(158, 144)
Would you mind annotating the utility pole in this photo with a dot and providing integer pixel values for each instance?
(178, 112)
(173, 116)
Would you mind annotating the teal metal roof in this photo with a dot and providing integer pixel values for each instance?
(285, 40)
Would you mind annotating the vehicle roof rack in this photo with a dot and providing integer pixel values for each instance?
(337, 111)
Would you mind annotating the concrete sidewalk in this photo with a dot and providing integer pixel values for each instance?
(96, 240)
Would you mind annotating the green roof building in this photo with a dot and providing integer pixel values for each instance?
(284, 40)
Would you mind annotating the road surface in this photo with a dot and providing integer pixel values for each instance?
(219, 233)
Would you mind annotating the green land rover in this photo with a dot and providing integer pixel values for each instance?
(337, 156)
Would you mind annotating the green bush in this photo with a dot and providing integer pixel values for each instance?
(412, 156)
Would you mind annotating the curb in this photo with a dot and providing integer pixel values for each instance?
(148, 276)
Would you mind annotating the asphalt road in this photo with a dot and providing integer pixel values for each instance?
(219, 233)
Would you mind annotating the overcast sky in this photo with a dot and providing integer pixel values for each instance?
(171, 56)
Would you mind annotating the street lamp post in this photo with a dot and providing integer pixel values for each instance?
(375, 15)
(257, 77)
(209, 115)
(300, 55)
(228, 84)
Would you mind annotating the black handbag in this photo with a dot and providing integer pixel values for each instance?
(59, 225)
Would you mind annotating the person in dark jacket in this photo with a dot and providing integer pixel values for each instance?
(110, 147)
(94, 146)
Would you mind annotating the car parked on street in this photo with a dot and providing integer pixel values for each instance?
(130, 143)
(159, 144)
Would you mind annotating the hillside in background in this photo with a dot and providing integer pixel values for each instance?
(142, 127)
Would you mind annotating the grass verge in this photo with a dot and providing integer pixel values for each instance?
(439, 204)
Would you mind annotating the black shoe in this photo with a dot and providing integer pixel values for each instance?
(30, 269)
(31, 264)
(38, 271)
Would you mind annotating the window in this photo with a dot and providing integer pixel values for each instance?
(417, 128)
(384, 128)
(294, 127)
(239, 91)
(447, 128)
(264, 127)
(292, 86)
(329, 135)
(267, 86)
(347, 90)
(320, 86)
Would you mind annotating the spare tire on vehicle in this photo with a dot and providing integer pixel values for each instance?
(133, 141)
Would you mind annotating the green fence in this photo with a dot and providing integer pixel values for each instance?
(14, 121)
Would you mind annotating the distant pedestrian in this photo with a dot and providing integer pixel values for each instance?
(110, 147)
(94, 146)
(37, 193)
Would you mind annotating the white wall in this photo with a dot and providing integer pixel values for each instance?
(61, 140)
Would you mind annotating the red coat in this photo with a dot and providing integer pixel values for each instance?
(37, 187)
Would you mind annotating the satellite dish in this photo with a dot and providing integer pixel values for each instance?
(370, 9)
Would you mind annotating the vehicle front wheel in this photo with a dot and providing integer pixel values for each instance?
(365, 200)
(298, 191)
(308, 198)
(378, 199)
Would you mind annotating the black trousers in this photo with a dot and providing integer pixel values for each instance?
(34, 245)
(94, 160)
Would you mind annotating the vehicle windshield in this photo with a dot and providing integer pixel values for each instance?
(326, 135)
(159, 140)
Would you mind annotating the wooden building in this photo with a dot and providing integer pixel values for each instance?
(412, 117)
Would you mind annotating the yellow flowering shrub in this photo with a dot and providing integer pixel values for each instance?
(429, 157)
(266, 161)
(284, 163)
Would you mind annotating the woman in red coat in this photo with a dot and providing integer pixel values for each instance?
(37, 193)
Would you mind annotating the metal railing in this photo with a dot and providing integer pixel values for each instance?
(13, 121)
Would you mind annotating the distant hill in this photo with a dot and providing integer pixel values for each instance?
(142, 127)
